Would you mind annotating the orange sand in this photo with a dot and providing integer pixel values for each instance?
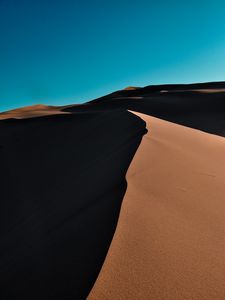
(170, 238)
(38, 110)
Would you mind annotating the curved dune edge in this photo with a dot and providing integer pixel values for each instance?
(170, 238)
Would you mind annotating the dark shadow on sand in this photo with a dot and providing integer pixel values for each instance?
(62, 184)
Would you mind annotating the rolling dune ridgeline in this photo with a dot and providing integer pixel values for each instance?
(121, 197)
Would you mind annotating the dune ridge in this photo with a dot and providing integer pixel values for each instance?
(38, 110)
(63, 181)
(169, 242)
(200, 105)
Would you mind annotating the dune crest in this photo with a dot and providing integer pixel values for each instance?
(63, 183)
(169, 242)
(33, 111)
(131, 88)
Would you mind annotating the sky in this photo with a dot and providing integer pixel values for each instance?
(71, 51)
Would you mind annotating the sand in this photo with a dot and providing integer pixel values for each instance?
(38, 110)
(62, 184)
(170, 238)
(200, 106)
(206, 91)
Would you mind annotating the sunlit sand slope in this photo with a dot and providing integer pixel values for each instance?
(170, 239)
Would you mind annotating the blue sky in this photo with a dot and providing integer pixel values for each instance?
(59, 52)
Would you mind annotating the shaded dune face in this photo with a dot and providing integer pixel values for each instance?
(62, 182)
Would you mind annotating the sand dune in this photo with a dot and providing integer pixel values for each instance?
(169, 242)
(38, 110)
(200, 106)
(63, 182)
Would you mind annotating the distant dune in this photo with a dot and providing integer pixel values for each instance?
(38, 110)
(200, 106)
(64, 177)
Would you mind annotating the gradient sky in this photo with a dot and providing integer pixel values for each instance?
(59, 52)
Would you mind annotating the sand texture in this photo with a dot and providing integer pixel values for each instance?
(170, 238)
(64, 175)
